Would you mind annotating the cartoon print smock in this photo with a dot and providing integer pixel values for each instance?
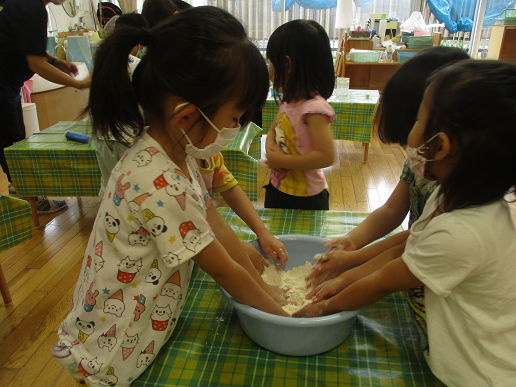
(136, 269)
(293, 137)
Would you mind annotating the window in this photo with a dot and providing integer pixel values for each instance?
(260, 21)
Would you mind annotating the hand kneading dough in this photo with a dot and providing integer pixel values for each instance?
(293, 281)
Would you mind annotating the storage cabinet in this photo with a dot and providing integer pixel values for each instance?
(502, 44)
(63, 104)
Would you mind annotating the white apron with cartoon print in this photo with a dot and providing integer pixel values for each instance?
(136, 269)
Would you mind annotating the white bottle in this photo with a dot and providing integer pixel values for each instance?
(388, 52)
(376, 42)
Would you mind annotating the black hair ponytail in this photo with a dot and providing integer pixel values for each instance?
(112, 103)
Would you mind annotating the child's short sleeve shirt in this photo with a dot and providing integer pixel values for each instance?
(420, 190)
(293, 137)
(465, 258)
(217, 177)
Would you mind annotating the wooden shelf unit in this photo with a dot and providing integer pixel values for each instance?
(502, 44)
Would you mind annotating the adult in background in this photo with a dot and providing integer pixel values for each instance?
(23, 33)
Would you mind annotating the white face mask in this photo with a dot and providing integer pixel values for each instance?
(224, 137)
(416, 160)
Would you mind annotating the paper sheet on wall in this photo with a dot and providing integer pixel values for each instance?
(344, 16)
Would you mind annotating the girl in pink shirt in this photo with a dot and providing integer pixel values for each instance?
(300, 142)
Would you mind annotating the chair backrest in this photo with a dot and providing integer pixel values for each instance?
(108, 11)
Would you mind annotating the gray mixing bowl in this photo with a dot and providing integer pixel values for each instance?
(295, 336)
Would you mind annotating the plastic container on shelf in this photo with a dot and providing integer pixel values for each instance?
(364, 56)
(404, 56)
(388, 54)
(342, 87)
(418, 46)
(507, 17)
(420, 40)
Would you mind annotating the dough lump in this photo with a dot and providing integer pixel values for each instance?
(293, 281)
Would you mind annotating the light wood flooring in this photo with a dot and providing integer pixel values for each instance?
(42, 272)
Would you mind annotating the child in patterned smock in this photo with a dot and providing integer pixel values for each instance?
(462, 247)
(300, 142)
(218, 179)
(152, 223)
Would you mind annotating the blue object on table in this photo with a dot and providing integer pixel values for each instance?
(80, 137)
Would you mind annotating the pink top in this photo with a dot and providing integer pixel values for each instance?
(293, 136)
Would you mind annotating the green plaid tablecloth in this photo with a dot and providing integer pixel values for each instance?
(209, 347)
(241, 158)
(15, 222)
(354, 115)
(47, 164)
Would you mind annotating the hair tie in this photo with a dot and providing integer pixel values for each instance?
(143, 37)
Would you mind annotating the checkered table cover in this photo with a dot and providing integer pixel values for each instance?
(47, 164)
(354, 115)
(209, 348)
(240, 157)
(15, 222)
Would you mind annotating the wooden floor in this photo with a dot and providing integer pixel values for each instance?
(42, 272)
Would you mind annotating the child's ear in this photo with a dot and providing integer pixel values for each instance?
(443, 148)
(182, 114)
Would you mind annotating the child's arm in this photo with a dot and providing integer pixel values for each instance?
(227, 237)
(334, 286)
(336, 262)
(236, 198)
(392, 277)
(321, 157)
(379, 223)
(215, 261)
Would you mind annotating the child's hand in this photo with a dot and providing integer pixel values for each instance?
(277, 294)
(330, 265)
(274, 249)
(340, 243)
(328, 289)
(256, 258)
(311, 310)
(274, 156)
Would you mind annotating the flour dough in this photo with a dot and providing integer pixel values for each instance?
(294, 280)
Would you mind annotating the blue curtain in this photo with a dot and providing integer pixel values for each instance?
(308, 4)
(457, 15)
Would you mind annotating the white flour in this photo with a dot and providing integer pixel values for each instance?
(292, 280)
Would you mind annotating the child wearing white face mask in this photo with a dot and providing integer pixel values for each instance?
(405, 87)
(463, 246)
(154, 220)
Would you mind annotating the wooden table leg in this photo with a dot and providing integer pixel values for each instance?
(34, 211)
(4, 289)
(366, 152)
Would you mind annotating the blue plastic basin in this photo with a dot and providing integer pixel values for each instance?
(295, 336)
